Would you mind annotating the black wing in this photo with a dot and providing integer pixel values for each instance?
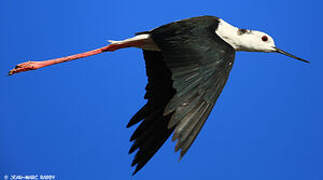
(184, 81)
(153, 131)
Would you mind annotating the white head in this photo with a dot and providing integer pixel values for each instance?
(249, 40)
(256, 41)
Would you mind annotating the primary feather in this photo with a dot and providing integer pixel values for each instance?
(185, 78)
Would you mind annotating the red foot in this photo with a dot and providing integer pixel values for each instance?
(26, 66)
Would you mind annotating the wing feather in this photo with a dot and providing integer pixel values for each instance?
(184, 81)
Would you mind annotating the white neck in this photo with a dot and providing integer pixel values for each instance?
(228, 33)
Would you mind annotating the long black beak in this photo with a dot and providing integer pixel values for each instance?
(290, 55)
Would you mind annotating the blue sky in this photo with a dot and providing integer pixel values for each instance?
(69, 120)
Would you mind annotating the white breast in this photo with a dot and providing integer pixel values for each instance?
(142, 41)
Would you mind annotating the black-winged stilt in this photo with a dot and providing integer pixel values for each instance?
(188, 63)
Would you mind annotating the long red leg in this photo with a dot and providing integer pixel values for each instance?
(33, 65)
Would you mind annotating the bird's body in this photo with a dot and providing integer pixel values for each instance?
(188, 63)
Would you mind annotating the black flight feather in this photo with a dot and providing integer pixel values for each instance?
(184, 81)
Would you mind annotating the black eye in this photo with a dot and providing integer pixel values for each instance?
(264, 38)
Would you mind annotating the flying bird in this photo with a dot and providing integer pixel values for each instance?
(187, 63)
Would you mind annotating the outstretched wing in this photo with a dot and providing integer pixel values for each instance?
(153, 131)
(184, 81)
